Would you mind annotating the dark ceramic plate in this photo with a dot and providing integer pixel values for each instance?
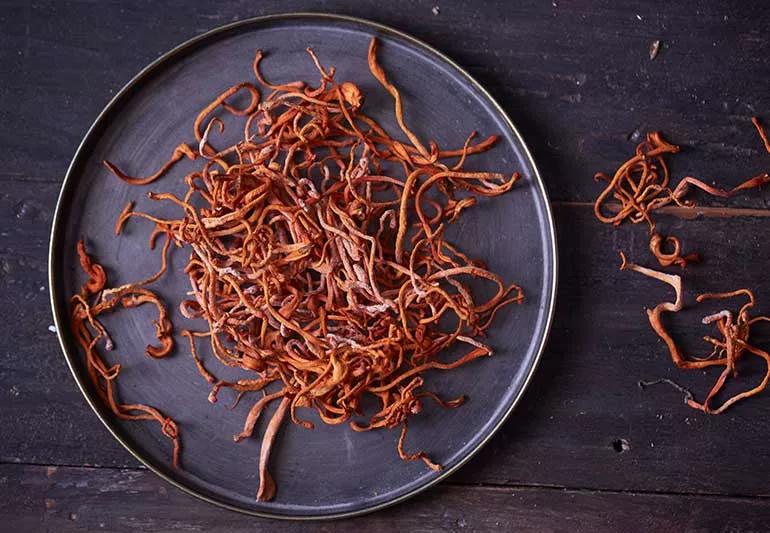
(329, 471)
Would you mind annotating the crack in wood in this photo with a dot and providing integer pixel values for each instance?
(52, 471)
(688, 213)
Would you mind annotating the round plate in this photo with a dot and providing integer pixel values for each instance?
(328, 471)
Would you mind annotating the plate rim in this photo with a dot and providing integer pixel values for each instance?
(184, 46)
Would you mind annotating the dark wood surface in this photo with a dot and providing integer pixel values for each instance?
(587, 449)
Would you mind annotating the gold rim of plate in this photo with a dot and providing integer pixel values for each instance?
(58, 312)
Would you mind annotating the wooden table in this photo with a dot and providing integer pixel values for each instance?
(587, 449)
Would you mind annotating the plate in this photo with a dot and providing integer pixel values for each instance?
(329, 471)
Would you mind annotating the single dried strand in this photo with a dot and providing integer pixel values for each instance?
(221, 100)
(671, 258)
(254, 413)
(752, 183)
(420, 455)
(379, 73)
(266, 491)
(761, 132)
(182, 150)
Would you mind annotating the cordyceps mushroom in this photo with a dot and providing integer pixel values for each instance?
(727, 351)
(641, 186)
(318, 263)
(86, 307)
(674, 257)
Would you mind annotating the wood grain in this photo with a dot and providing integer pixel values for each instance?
(83, 499)
(577, 79)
